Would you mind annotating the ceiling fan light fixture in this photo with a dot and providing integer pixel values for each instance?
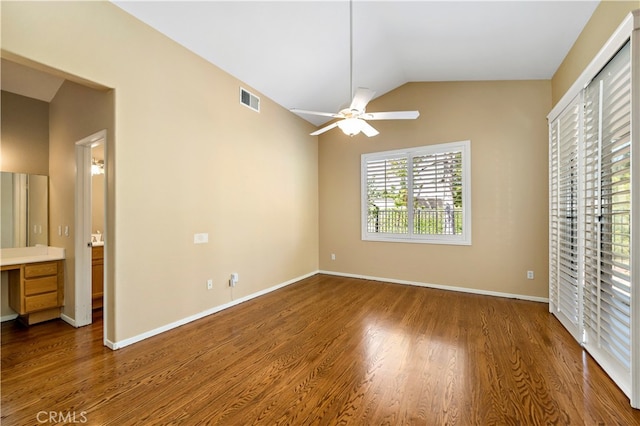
(350, 126)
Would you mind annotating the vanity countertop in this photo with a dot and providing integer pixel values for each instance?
(18, 256)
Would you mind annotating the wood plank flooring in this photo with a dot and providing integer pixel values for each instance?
(326, 350)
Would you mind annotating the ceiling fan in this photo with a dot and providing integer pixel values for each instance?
(353, 119)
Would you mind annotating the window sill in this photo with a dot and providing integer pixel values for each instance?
(399, 239)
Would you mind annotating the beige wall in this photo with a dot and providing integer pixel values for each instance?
(24, 148)
(184, 157)
(505, 122)
(24, 139)
(97, 194)
(604, 21)
(97, 204)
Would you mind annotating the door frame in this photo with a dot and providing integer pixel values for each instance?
(83, 305)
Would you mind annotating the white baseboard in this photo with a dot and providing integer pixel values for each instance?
(441, 287)
(65, 318)
(8, 317)
(68, 320)
(131, 340)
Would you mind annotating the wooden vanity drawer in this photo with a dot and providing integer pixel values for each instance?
(40, 285)
(40, 269)
(97, 253)
(36, 290)
(41, 301)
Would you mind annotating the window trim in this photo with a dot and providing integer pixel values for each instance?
(459, 239)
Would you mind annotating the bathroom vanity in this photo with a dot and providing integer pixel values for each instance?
(97, 274)
(36, 281)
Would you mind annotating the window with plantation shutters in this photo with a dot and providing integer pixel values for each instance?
(417, 195)
(607, 217)
(593, 284)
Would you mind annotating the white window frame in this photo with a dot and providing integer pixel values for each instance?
(458, 239)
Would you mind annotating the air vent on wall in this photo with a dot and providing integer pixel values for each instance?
(249, 99)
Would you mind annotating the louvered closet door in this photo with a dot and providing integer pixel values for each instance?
(565, 291)
(607, 218)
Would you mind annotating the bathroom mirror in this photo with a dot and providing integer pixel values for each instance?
(24, 210)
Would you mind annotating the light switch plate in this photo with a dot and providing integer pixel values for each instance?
(200, 238)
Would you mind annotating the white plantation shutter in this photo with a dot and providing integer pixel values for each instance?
(607, 239)
(565, 292)
(435, 209)
(386, 184)
(554, 205)
(593, 284)
(606, 278)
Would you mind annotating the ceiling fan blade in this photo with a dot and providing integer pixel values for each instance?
(392, 115)
(361, 98)
(325, 114)
(368, 129)
(324, 129)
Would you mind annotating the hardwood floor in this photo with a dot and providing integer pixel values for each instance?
(326, 350)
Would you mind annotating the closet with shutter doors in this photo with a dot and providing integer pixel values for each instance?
(594, 208)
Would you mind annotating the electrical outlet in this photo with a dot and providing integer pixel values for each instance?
(209, 284)
(233, 280)
(333, 256)
(529, 275)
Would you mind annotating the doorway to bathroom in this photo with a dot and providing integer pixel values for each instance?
(90, 228)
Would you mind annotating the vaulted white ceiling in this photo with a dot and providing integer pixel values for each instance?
(297, 52)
